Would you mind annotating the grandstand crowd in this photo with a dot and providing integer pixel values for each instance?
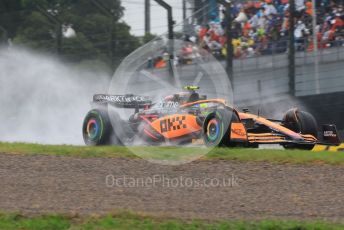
(261, 27)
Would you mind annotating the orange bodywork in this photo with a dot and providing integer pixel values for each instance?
(272, 125)
(238, 132)
(176, 125)
(272, 137)
(220, 101)
(179, 125)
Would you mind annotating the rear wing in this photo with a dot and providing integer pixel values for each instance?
(128, 101)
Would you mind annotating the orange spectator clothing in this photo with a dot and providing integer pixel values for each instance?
(311, 45)
(258, 5)
(202, 32)
(246, 29)
(309, 8)
(338, 23)
(160, 64)
(214, 36)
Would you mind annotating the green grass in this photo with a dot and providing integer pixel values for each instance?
(239, 154)
(130, 221)
(65, 150)
(12, 221)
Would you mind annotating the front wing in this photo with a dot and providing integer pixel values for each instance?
(274, 138)
(282, 135)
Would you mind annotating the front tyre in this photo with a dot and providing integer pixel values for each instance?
(97, 129)
(300, 122)
(217, 127)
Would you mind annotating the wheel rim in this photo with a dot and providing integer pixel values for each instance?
(92, 129)
(213, 130)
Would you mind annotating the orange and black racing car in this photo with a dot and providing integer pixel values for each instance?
(188, 117)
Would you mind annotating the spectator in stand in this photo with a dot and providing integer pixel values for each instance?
(300, 34)
(242, 17)
(309, 8)
(269, 8)
(262, 26)
(300, 5)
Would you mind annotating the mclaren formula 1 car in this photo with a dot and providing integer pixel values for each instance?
(188, 117)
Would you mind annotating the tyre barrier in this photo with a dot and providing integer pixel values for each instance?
(319, 148)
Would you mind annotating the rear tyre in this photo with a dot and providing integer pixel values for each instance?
(97, 129)
(217, 128)
(300, 122)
